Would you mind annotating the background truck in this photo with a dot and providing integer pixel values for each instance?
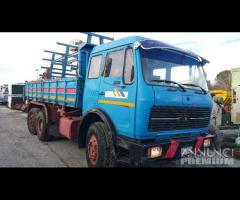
(229, 117)
(135, 99)
(3, 94)
(16, 95)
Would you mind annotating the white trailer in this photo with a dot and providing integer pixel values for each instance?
(16, 94)
(235, 111)
(238, 105)
(3, 94)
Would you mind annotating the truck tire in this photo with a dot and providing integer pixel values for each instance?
(31, 120)
(42, 127)
(100, 148)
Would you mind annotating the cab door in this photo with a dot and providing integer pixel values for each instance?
(117, 91)
(92, 83)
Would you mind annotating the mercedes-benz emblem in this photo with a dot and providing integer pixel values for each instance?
(184, 118)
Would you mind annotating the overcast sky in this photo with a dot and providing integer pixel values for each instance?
(21, 53)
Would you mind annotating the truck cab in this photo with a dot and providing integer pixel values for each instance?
(154, 94)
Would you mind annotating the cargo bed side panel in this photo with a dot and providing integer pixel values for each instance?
(65, 92)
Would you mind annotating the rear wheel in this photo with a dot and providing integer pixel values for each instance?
(100, 151)
(42, 127)
(31, 120)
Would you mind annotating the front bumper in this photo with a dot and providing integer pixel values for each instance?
(138, 149)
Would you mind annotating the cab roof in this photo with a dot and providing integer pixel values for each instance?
(117, 43)
(147, 43)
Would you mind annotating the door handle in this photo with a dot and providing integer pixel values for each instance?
(102, 93)
(118, 83)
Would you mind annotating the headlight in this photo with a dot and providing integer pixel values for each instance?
(207, 143)
(154, 152)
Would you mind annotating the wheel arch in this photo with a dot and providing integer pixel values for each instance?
(40, 105)
(94, 115)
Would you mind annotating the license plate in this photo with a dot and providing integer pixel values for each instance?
(186, 150)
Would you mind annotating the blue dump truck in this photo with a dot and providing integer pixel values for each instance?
(135, 100)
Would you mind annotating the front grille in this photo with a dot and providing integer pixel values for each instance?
(163, 118)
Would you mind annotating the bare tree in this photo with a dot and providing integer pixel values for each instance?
(223, 81)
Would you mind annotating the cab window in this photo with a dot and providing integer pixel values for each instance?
(129, 67)
(95, 67)
(114, 64)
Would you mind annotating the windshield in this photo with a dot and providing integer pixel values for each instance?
(189, 74)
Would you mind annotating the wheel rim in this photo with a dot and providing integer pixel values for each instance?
(93, 150)
(40, 126)
(31, 121)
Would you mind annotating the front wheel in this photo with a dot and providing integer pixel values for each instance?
(100, 150)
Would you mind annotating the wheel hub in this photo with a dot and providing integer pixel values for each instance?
(93, 150)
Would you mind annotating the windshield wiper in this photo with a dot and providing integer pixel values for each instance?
(168, 81)
(193, 85)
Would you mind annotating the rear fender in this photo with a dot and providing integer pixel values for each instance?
(42, 106)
